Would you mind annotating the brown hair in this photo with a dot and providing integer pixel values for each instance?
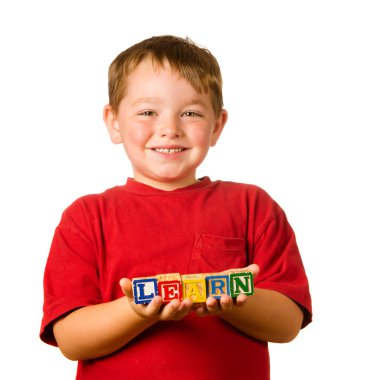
(194, 63)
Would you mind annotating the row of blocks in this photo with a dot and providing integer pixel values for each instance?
(195, 286)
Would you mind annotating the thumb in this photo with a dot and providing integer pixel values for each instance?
(254, 268)
(126, 287)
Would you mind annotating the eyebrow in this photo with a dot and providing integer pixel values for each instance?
(154, 100)
(197, 102)
(144, 100)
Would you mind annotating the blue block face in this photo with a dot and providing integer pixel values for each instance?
(144, 289)
(217, 285)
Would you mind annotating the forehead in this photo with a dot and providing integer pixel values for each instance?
(150, 68)
(153, 77)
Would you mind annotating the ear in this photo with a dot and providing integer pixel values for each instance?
(112, 124)
(219, 125)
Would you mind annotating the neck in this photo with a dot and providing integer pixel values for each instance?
(167, 185)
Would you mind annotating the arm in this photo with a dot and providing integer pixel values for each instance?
(99, 330)
(267, 315)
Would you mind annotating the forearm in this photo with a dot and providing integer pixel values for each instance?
(268, 316)
(98, 330)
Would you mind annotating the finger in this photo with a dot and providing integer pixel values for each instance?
(170, 310)
(212, 305)
(240, 300)
(186, 305)
(184, 309)
(200, 309)
(153, 308)
(226, 303)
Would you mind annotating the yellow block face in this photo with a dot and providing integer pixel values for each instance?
(194, 287)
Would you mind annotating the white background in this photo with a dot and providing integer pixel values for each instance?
(302, 88)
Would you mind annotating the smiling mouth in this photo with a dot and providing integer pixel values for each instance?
(168, 151)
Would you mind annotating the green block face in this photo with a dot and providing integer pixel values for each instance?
(241, 283)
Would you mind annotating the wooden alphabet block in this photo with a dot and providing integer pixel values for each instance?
(144, 289)
(241, 283)
(194, 287)
(217, 284)
(169, 286)
(198, 287)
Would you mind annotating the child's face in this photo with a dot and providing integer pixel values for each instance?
(165, 125)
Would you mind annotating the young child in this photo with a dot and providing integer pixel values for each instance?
(166, 108)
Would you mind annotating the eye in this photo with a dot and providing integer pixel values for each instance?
(146, 113)
(191, 114)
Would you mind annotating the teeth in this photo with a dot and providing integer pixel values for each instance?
(168, 151)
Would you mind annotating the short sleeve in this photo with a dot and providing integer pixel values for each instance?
(281, 268)
(71, 278)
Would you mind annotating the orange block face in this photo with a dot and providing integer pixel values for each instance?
(169, 286)
(194, 287)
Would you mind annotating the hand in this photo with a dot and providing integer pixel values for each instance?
(156, 310)
(225, 304)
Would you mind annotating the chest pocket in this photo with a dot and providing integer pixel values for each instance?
(216, 254)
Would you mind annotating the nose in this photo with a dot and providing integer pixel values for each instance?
(170, 127)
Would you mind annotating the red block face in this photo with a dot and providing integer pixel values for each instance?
(170, 290)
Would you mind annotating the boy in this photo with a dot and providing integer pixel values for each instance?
(166, 108)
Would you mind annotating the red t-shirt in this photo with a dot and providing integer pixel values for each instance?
(136, 230)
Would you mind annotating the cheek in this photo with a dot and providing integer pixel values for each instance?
(136, 136)
(202, 137)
